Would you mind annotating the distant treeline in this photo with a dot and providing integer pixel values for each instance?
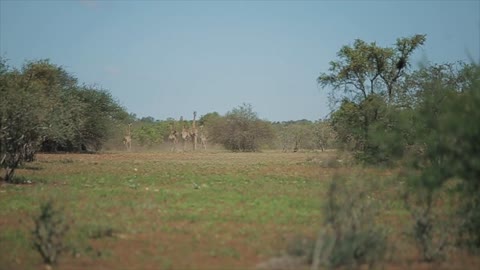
(239, 130)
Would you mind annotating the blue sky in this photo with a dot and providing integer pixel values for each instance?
(166, 59)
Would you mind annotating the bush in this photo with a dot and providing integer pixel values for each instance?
(351, 237)
(50, 229)
(430, 233)
(241, 130)
(446, 130)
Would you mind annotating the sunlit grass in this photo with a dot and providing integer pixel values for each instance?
(153, 209)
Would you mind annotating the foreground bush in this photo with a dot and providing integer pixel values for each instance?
(350, 237)
(446, 134)
(50, 229)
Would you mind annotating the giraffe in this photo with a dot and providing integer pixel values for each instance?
(185, 134)
(203, 137)
(194, 131)
(127, 139)
(173, 137)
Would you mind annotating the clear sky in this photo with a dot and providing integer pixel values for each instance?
(167, 59)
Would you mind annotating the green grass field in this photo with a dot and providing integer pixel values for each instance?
(212, 210)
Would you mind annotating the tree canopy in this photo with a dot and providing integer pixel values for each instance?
(366, 69)
(44, 108)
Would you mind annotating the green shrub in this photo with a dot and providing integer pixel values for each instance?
(240, 130)
(49, 232)
(446, 130)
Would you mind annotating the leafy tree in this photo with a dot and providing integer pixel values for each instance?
(147, 119)
(365, 69)
(241, 130)
(55, 89)
(346, 123)
(101, 116)
(366, 81)
(325, 136)
(21, 119)
(295, 135)
(209, 118)
(43, 106)
(149, 133)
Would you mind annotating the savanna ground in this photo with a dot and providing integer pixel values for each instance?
(203, 210)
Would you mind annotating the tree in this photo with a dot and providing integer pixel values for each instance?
(347, 125)
(241, 130)
(295, 135)
(209, 118)
(324, 135)
(101, 115)
(149, 133)
(366, 81)
(21, 119)
(367, 69)
(55, 89)
(43, 106)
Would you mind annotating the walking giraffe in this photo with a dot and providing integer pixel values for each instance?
(173, 137)
(127, 139)
(194, 131)
(203, 137)
(185, 134)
